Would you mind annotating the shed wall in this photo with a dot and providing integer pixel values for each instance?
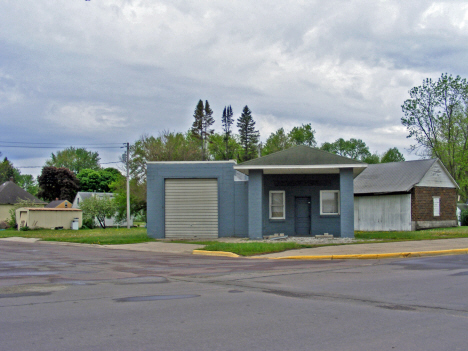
(48, 218)
(382, 212)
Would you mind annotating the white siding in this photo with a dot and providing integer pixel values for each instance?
(436, 177)
(382, 213)
(191, 208)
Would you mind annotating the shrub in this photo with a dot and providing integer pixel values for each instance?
(464, 217)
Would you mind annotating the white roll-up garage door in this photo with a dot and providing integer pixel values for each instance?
(191, 208)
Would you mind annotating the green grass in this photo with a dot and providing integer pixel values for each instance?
(254, 248)
(108, 236)
(429, 234)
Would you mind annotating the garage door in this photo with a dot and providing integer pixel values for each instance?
(191, 208)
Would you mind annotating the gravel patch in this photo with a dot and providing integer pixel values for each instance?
(299, 240)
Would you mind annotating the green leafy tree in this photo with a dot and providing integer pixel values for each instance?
(75, 159)
(392, 155)
(28, 183)
(7, 171)
(276, 142)
(217, 148)
(248, 136)
(203, 116)
(168, 146)
(57, 183)
(372, 159)
(137, 199)
(436, 116)
(303, 135)
(352, 148)
(99, 208)
(98, 180)
(227, 122)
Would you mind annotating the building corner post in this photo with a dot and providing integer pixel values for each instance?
(255, 199)
(347, 203)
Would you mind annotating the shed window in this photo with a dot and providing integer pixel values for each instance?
(436, 202)
(329, 202)
(277, 205)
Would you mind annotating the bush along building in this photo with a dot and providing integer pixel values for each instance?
(299, 191)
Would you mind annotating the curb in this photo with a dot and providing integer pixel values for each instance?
(376, 256)
(214, 253)
(342, 257)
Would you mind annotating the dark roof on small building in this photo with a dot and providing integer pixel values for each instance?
(301, 159)
(392, 177)
(10, 194)
(300, 156)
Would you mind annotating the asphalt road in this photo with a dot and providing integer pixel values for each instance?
(55, 297)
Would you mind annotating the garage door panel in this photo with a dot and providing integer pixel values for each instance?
(191, 208)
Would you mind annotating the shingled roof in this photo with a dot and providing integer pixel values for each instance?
(10, 194)
(393, 177)
(301, 157)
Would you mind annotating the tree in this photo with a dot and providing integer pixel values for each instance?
(168, 146)
(372, 158)
(276, 142)
(75, 159)
(201, 125)
(99, 208)
(217, 148)
(248, 135)
(28, 183)
(392, 155)
(436, 116)
(7, 171)
(352, 148)
(303, 135)
(100, 180)
(227, 122)
(58, 183)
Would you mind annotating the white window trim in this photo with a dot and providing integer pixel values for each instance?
(284, 203)
(321, 210)
(433, 206)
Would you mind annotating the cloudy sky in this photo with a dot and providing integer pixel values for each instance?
(79, 72)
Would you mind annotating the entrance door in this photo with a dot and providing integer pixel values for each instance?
(302, 215)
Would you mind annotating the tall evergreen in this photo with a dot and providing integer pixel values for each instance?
(248, 135)
(201, 125)
(227, 122)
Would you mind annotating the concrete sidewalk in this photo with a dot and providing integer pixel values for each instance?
(349, 251)
(402, 248)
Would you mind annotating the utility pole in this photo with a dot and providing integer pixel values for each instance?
(128, 188)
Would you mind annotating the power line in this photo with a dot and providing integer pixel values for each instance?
(55, 147)
(58, 144)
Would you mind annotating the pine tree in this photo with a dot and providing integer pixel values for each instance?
(248, 135)
(227, 122)
(201, 126)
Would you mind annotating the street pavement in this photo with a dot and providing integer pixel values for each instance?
(81, 297)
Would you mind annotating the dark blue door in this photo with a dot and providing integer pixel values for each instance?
(302, 215)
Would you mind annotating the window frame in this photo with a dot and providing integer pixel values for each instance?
(434, 198)
(321, 203)
(270, 205)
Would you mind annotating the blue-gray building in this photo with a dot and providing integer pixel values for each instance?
(299, 191)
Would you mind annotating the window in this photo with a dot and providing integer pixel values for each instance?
(436, 202)
(329, 202)
(277, 205)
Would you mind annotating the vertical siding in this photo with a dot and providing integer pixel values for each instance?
(382, 213)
